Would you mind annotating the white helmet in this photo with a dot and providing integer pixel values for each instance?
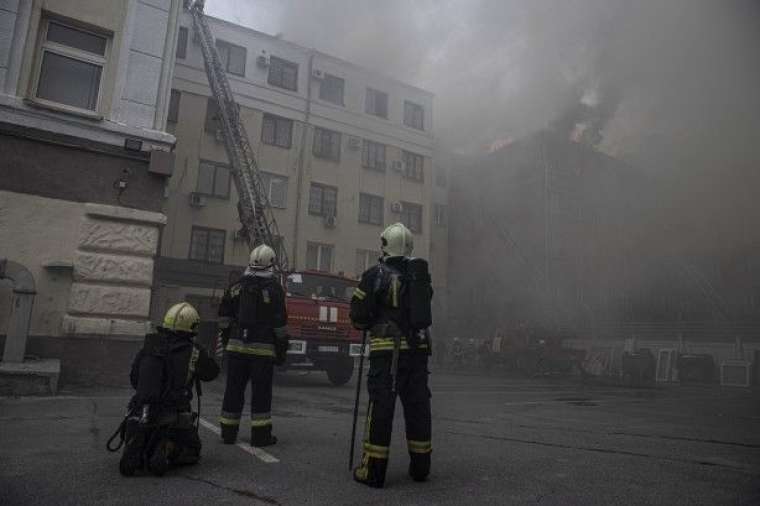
(262, 257)
(397, 241)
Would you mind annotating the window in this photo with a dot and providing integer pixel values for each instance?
(283, 73)
(232, 57)
(212, 123)
(319, 256)
(411, 216)
(440, 212)
(370, 209)
(376, 103)
(71, 64)
(373, 155)
(326, 144)
(414, 115)
(365, 259)
(207, 245)
(173, 114)
(441, 177)
(276, 189)
(413, 166)
(331, 89)
(323, 200)
(181, 52)
(213, 179)
(277, 131)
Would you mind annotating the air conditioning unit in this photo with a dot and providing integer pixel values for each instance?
(197, 200)
(218, 135)
(398, 166)
(317, 74)
(262, 61)
(354, 143)
(330, 221)
(396, 207)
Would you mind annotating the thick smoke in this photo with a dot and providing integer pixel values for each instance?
(662, 71)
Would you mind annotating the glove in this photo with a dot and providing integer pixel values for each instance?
(281, 344)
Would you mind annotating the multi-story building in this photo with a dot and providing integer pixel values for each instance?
(84, 156)
(343, 151)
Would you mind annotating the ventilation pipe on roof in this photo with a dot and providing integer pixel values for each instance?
(21, 309)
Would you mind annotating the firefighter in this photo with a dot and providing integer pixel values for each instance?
(392, 303)
(161, 428)
(255, 305)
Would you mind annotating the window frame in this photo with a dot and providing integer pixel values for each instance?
(277, 119)
(180, 31)
(80, 55)
(322, 211)
(208, 230)
(269, 177)
(276, 60)
(230, 45)
(414, 105)
(172, 119)
(325, 79)
(320, 246)
(370, 199)
(405, 156)
(441, 215)
(371, 163)
(320, 154)
(404, 211)
(368, 258)
(375, 92)
(217, 166)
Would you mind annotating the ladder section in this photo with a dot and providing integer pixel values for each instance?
(254, 208)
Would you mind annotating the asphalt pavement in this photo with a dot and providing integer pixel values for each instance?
(496, 441)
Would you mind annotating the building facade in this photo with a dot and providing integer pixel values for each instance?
(84, 158)
(343, 152)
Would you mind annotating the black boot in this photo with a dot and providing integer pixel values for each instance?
(262, 436)
(419, 466)
(371, 472)
(229, 434)
(135, 439)
(158, 463)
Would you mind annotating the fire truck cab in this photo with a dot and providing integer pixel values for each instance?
(321, 335)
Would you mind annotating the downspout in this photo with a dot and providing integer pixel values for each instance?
(21, 309)
(301, 160)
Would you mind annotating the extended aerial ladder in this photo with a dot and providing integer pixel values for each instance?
(254, 208)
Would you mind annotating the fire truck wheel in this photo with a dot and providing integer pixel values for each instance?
(340, 372)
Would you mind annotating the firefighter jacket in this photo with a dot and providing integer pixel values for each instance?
(256, 306)
(165, 370)
(377, 306)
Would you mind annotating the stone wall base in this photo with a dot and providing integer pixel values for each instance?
(87, 361)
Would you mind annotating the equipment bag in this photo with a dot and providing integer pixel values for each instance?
(418, 294)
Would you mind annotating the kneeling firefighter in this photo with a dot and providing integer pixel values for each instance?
(161, 428)
(255, 306)
(392, 303)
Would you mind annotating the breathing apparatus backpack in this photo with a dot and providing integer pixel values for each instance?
(418, 294)
(255, 305)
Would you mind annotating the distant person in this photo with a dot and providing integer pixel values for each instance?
(392, 302)
(440, 353)
(457, 353)
(255, 305)
(161, 429)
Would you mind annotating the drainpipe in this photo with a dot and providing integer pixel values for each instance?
(301, 159)
(21, 309)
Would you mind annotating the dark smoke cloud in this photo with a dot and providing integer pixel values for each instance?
(667, 72)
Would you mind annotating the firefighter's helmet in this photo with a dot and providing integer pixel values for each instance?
(397, 241)
(262, 257)
(182, 317)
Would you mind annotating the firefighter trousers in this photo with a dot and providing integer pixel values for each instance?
(240, 370)
(412, 388)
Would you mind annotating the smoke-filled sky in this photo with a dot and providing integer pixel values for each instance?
(664, 76)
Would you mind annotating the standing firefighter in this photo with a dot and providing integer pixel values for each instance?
(161, 428)
(256, 306)
(392, 303)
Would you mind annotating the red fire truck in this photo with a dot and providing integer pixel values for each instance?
(321, 335)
